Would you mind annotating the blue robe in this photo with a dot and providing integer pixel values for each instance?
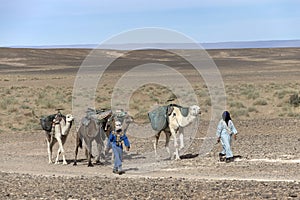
(117, 148)
(226, 132)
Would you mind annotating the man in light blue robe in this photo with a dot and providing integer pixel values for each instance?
(225, 131)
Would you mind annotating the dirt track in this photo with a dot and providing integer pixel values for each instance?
(268, 168)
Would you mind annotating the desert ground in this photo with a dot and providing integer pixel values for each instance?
(259, 84)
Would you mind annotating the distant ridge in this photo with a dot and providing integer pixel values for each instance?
(216, 45)
(253, 44)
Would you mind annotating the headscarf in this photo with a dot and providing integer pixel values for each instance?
(118, 126)
(226, 117)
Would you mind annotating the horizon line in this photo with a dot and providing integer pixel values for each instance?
(205, 45)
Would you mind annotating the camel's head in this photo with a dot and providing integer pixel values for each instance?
(128, 119)
(123, 117)
(69, 118)
(194, 110)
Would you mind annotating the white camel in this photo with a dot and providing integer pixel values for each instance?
(176, 122)
(60, 131)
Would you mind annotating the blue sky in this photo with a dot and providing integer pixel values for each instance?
(66, 22)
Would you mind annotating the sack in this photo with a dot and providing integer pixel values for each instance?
(46, 122)
(158, 118)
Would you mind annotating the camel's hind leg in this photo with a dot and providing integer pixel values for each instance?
(168, 135)
(155, 143)
(49, 149)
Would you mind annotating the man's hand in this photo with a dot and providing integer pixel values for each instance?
(219, 139)
(234, 136)
(127, 148)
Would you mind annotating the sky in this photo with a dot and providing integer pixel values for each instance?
(69, 22)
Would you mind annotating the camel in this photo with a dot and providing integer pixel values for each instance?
(118, 115)
(92, 128)
(60, 130)
(172, 119)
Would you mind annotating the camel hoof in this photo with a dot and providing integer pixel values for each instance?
(98, 162)
(90, 165)
(176, 157)
(65, 163)
(74, 164)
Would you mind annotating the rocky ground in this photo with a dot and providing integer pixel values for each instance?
(266, 167)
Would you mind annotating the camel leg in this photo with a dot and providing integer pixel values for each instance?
(181, 138)
(89, 150)
(168, 134)
(49, 148)
(60, 151)
(107, 148)
(102, 146)
(63, 151)
(175, 145)
(50, 143)
(78, 144)
(98, 142)
(155, 143)
(76, 152)
(57, 156)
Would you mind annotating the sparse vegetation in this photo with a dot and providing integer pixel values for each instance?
(294, 100)
(260, 102)
(40, 93)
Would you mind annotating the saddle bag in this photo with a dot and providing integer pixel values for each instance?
(46, 122)
(158, 118)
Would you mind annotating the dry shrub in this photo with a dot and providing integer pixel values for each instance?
(294, 100)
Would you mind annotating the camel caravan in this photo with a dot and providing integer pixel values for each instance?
(96, 126)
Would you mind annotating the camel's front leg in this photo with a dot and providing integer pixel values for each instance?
(181, 138)
(100, 144)
(89, 152)
(175, 145)
(60, 151)
(107, 148)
